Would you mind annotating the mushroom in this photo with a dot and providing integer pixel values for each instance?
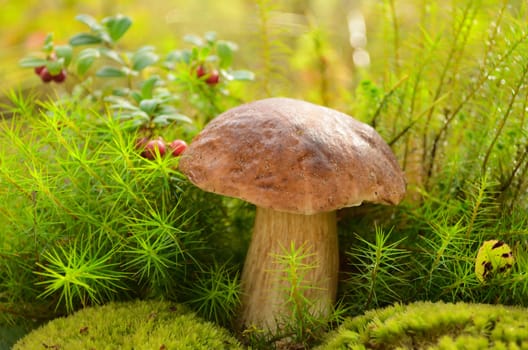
(298, 163)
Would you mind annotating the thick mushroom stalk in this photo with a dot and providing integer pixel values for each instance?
(265, 279)
(298, 163)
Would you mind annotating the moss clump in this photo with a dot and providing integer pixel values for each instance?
(133, 325)
(426, 325)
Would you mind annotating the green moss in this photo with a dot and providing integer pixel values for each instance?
(429, 325)
(134, 325)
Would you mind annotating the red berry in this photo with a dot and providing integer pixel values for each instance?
(213, 77)
(59, 78)
(151, 147)
(178, 147)
(45, 75)
(39, 69)
(200, 71)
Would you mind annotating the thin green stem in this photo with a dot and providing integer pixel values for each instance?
(265, 44)
(504, 119)
(395, 36)
(461, 35)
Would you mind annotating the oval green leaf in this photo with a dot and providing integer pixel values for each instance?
(110, 72)
(31, 62)
(243, 75)
(149, 105)
(193, 39)
(55, 67)
(148, 86)
(86, 59)
(89, 21)
(225, 53)
(117, 26)
(48, 43)
(142, 59)
(85, 39)
(166, 119)
(111, 54)
(64, 51)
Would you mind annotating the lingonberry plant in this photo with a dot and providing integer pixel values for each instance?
(49, 66)
(110, 218)
(145, 89)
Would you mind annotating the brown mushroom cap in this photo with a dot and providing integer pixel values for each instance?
(293, 156)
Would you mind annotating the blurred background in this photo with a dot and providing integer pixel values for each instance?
(338, 41)
(337, 26)
(404, 66)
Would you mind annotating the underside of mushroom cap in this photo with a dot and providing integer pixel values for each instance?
(293, 156)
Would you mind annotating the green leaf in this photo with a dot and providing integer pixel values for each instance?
(110, 72)
(31, 62)
(167, 97)
(148, 86)
(133, 123)
(89, 21)
(143, 58)
(121, 103)
(136, 96)
(86, 59)
(149, 105)
(166, 119)
(117, 26)
(210, 37)
(204, 54)
(85, 39)
(111, 54)
(133, 120)
(180, 118)
(66, 52)
(244, 75)
(193, 39)
(55, 67)
(48, 43)
(136, 115)
(180, 56)
(161, 120)
(121, 92)
(225, 53)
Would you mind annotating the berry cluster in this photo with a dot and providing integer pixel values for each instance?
(46, 76)
(150, 148)
(211, 78)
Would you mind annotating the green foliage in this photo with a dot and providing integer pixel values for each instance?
(379, 273)
(271, 50)
(80, 272)
(450, 100)
(144, 88)
(431, 252)
(429, 325)
(88, 219)
(216, 294)
(302, 324)
(299, 320)
(130, 325)
(449, 233)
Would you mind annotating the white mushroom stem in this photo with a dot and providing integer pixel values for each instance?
(265, 281)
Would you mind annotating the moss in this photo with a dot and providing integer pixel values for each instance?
(429, 325)
(134, 325)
